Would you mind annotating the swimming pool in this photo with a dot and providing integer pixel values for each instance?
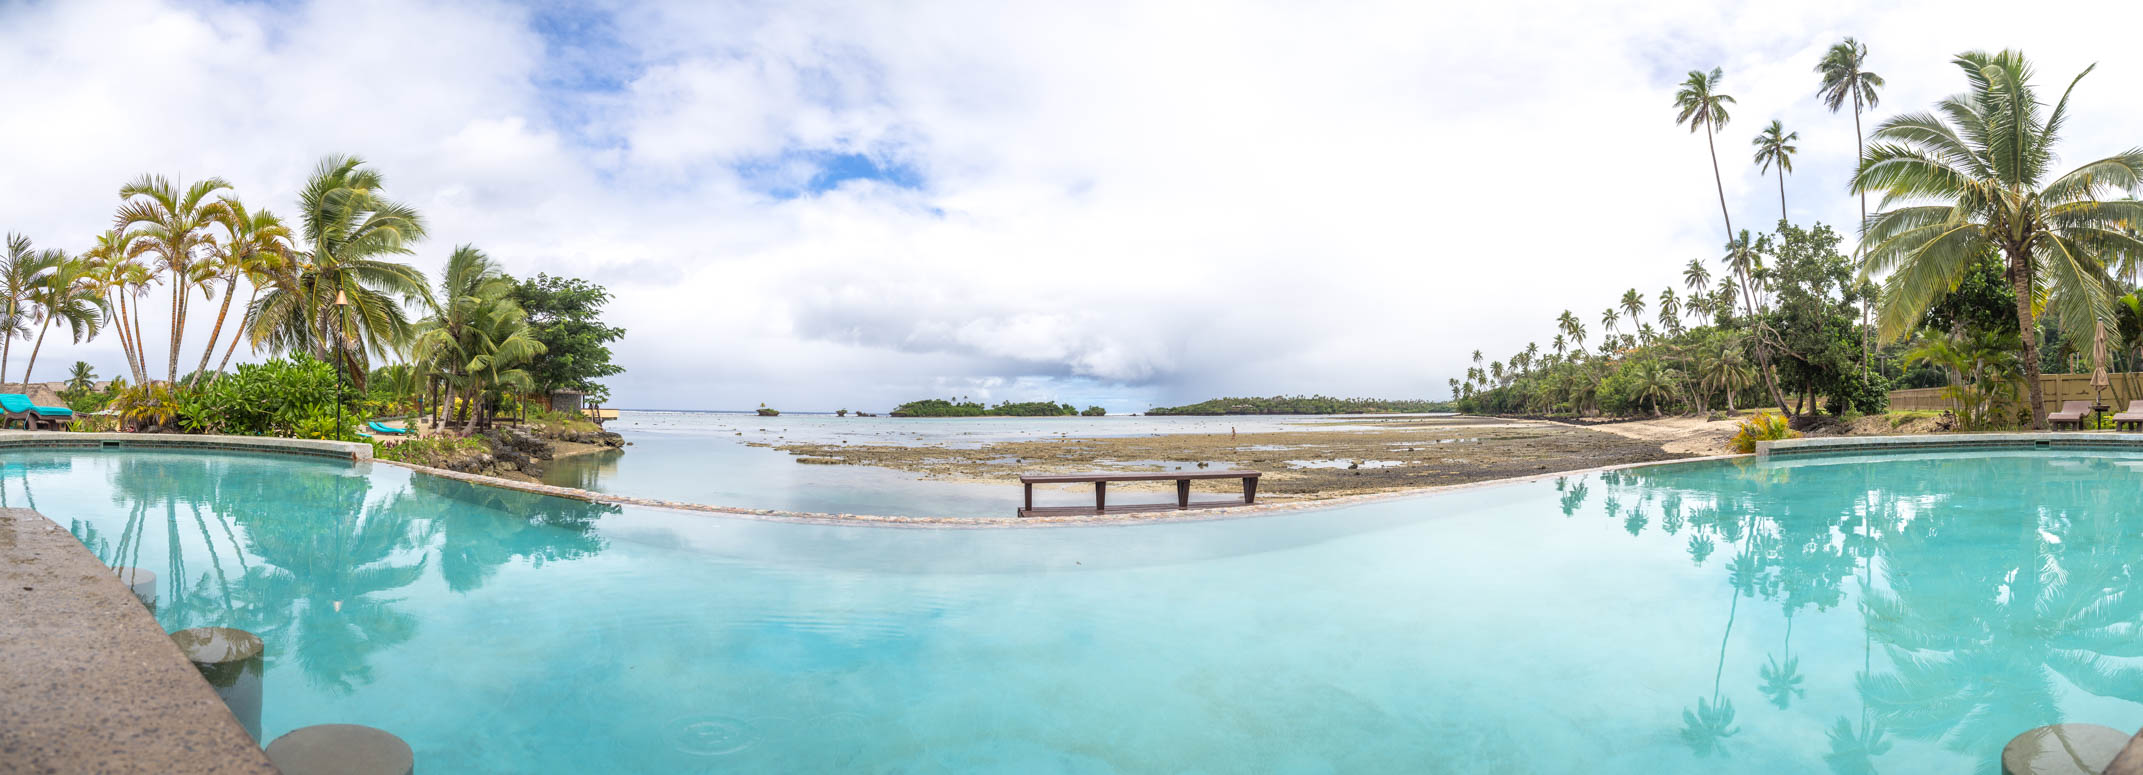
(1907, 614)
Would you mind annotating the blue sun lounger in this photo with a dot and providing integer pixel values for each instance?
(16, 406)
(386, 429)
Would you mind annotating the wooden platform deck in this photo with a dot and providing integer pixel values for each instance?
(1101, 482)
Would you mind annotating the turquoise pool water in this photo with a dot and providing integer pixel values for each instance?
(1894, 614)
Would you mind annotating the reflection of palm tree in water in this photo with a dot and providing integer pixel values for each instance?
(1853, 749)
(1984, 629)
(1706, 727)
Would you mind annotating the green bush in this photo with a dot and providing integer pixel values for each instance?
(1762, 427)
(291, 398)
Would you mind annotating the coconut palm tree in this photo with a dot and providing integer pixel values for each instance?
(1608, 319)
(1846, 80)
(69, 293)
(23, 270)
(1955, 191)
(349, 230)
(1774, 147)
(1700, 105)
(476, 336)
(1725, 369)
(1696, 277)
(1670, 311)
(1633, 305)
(82, 376)
(171, 221)
(255, 245)
(1561, 344)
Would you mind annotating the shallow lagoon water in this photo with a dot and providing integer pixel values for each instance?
(702, 457)
(1901, 614)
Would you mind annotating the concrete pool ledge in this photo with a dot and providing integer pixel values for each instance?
(2063, 440)
(89, 682)
(335, 450)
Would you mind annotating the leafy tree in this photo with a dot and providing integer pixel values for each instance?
(1983, 173)
(1811, 322)
(565, 316)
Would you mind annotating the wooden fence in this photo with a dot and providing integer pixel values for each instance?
(2058, 388)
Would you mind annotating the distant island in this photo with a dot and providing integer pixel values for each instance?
(1303, 405)
(933, 407)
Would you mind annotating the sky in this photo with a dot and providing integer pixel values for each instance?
(851, 205)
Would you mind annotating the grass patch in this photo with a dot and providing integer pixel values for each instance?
(428, 452)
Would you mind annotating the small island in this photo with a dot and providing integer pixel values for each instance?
(1303, 405)
(935, 407)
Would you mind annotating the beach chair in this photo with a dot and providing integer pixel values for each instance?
(2131, 419)
(2072, 413)
(55, 417)
(16, 407)
(386, 429)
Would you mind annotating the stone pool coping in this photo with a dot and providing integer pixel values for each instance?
(89, 682)
(334, 450)
(2068, 440)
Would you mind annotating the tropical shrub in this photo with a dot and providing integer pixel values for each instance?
(1762, 427)
(290, 398)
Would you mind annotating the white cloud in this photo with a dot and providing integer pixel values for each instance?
(1139, 201)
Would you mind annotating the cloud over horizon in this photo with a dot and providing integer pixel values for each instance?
(829, 205)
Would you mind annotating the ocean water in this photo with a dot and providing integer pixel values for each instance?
(1904, 614)
(703, 457)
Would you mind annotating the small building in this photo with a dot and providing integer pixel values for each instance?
(567, 401)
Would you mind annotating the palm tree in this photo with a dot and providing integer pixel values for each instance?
(70, 293)
(1608, 319)
(1670, 310)
(1633, 305)
(119, 276)
(23, 270)
(476, 335)
(1725, 369)
(1577, 333)
(1983, 173)
(1697, 277)
(82, 377)
(1845, 79)
(1700, 105)
(256, 245)
(348, 229)
(1561, 344)
(171, 221)
(1774, 146)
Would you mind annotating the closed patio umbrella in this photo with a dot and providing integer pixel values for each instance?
(2099, 380)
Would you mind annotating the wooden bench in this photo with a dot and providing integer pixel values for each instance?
(1101, 492)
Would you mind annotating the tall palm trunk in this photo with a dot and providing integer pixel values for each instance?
(126, 341)
(475, 401)
(245, 321)
(33, 353)
(1782, 194)
(141, 351)
(2020, 281)
(230, 288)
(1718, 182)
(1867, 300)
(9, 345)
(178, 321)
